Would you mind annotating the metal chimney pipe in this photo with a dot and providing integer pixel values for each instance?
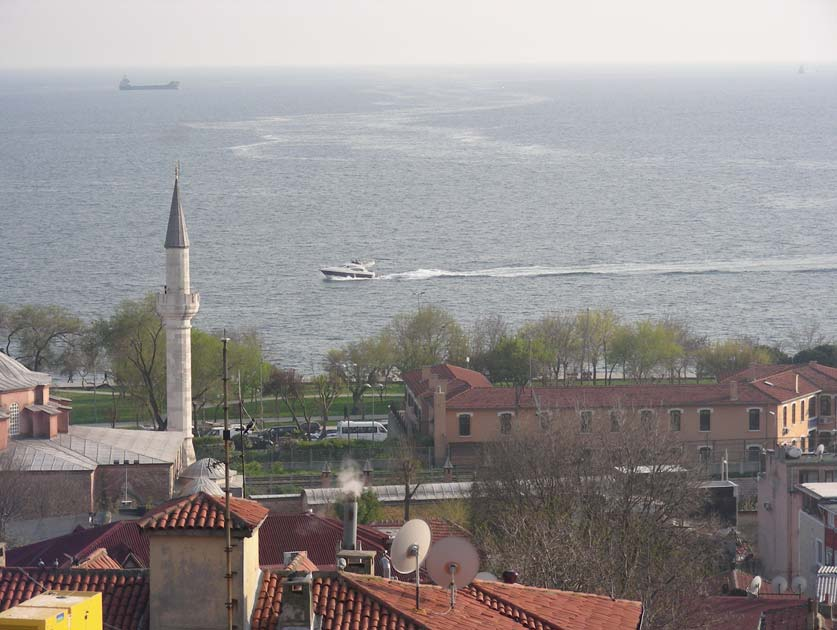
(350, 523)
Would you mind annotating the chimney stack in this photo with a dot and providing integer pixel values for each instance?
(448, 468)
(350, 523)
(797, 383)
(733, 390)
(297, 602)
(367, 474)
(325, 476)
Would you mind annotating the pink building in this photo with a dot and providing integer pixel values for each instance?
(739, 417)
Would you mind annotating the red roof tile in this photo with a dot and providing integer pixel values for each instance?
(439, 528)
(124, 591)
(204, 511)
(348, 602)
(119, 539)
(458, 380)
(632, 396)
(319, 536)
(99, 559)
(738, 613)
(561, 609)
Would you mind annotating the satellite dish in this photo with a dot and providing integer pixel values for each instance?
(453, 560)
(779, 584)
(486, 576)
(821, 450)
(410, 546)
(799, 584)
(794, 452)
(755, 585)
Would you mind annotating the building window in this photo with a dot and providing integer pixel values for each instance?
(14, 419)
(705, 454)
(808, 476)
(586, 421)
(614, 421)
(793, 413)
(755, 420)
(505, 422)
(705, 417)
(674, 417)
(464, 424)
(829, 477)
(819, 551)
(785, 416)
(825, 405)
(812, 407)
(646, 416)
(754, 453)
(801, 409)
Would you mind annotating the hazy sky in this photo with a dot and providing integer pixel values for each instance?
(126, 33)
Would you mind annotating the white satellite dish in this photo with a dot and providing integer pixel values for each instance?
(794, 452)
(779, 584)
(799, 584)
(453, 561)
(821, 450)
(486, 576)
(755, 585)
(410, 546)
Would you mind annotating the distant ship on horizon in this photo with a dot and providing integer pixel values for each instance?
(125, 84)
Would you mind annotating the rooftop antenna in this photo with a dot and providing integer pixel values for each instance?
(409, 548)
(227, 517)
(453, 561)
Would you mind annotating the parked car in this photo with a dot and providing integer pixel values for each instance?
(361, 430)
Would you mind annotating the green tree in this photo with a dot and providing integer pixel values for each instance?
(369, 508)
(724, 358)
(135, 342)
(509, 362)
(356, 364)
(826, 354)
(427, 336)
(207, 350)
(645, 348)
(39, 335)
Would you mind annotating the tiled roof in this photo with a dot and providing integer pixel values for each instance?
(99, 559)
(349, 602)
(204, 511)
(118, 539)
(630, 396)
(458, 380)
(439, 528)
(124, 591)
(319, 536)
(560, 609)
(740, 613)
(14, 375)
(735, 582)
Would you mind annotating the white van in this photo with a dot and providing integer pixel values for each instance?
(361, 430)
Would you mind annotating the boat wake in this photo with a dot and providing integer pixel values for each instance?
(792, 265)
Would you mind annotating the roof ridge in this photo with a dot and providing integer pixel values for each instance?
(543, 621)
(381, 602)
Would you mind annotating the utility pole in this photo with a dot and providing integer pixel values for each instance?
(241, 435)
(227, 517)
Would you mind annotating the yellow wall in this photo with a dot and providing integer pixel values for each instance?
(183, 565)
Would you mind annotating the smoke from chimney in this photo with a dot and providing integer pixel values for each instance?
(350, 479)
(351, 483)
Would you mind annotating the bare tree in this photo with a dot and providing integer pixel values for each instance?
(407, 468)
(327, 387)
(618, 513)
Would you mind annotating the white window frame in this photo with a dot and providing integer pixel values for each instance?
(470, 422)
(711, 412)
(14, 419)
(581, 421)
(761, 417)
(678, 409)
(500, 415)
(753, 446)
(819, 551)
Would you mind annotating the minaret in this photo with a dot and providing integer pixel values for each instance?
(177, 305)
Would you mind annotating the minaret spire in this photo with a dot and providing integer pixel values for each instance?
(177, 305)
(176, 235)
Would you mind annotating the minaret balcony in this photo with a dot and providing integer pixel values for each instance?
(178, 305)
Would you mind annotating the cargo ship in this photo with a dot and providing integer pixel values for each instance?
(125, 84)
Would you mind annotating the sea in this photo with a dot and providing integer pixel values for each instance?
(706, 194)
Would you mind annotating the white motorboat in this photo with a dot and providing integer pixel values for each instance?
(355, 270)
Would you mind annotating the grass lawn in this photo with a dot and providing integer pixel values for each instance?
(89, 407)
